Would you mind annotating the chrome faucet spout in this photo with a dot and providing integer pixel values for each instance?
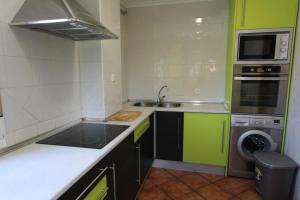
(159, 97)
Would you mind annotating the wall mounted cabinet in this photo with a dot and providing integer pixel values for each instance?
(206, 138)
(256, 14)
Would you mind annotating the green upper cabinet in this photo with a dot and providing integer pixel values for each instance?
(206, 138)
(255, 14)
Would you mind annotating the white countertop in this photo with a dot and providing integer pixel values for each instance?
(44, 172)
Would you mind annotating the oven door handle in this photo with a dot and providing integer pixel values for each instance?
(240, 78)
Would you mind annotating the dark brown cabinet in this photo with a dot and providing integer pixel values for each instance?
(169, 136)
(126, 167)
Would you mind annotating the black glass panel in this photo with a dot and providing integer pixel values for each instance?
(259, 93)
(87, 135)
(257, 47)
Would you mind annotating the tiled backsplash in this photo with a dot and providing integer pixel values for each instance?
(39, 79)
(182, 46)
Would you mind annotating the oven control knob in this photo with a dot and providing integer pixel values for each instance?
(283, 43)
(252, 69)
(269, 69)
(283, 50)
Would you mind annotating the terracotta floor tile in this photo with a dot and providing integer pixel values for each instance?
(247, 181)
(191, 196)
(232, 186)
(153, 194)
(147, 184)
(212, 177)
(158, 176)
(178, 173)
(175, 188)
(212, 192)
(194, 181)
(250, 195)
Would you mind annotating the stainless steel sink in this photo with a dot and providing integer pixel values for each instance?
(145, 104)
(169, 105)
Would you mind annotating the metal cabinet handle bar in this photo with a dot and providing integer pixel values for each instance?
(223, 136)
(113, 168)
(239, 78)
(178, 133)
(139, 158)
(92, 183)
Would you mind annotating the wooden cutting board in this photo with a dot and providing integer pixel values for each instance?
(125, 116)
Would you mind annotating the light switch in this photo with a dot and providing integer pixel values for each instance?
(113, 78)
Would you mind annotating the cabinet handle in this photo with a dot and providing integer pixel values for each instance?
(223, 136)
(113, 168)
(178, 133)
(92, 183)
(244, 13)
(139, 158)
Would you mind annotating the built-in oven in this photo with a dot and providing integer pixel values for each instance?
(260, 89)
(267, 46)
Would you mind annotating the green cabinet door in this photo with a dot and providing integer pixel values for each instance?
(206, 138)
(255, 14)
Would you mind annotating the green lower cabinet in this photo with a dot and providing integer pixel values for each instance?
(206, 138)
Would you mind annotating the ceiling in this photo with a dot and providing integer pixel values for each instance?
(143, 3)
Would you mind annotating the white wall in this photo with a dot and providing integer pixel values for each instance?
(292, 145)
(91, 76)
(39, 79)
(111, 57)
(100, 64)
(166, 47)
(124, 56)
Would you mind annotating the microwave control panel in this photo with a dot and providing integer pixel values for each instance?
(282, 46)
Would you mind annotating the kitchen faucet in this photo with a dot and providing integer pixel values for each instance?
(159, 97)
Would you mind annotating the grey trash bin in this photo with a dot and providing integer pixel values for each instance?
(275, 175)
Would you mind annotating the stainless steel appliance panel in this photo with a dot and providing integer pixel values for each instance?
(260, 89)
(271, 129)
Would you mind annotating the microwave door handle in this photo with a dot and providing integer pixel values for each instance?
(239, 78)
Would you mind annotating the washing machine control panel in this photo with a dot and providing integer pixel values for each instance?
(259, 122)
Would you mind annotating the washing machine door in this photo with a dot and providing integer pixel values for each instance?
(254, 140)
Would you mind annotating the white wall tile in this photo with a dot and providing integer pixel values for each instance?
(16, 116)
(17, 72)
(90, 71)
(39, 79)
(90, 51)
(164, 43)
(1, 38)
(17, 41)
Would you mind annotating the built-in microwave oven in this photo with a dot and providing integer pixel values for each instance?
(268, 46)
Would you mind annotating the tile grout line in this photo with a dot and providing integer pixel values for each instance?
(177, 178)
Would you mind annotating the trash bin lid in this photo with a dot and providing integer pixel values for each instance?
(274, 160)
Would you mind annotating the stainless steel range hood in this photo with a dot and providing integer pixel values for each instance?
(63, 18)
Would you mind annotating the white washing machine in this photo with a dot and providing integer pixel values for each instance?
(250, 134)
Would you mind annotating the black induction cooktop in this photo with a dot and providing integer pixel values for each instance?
(86, 135)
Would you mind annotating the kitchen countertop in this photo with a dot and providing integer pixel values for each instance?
(39, 171)
(44, 172)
